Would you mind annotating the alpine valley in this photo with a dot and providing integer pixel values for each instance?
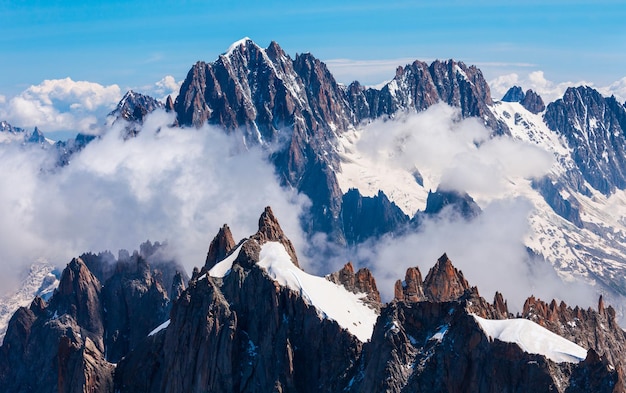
(528, 199)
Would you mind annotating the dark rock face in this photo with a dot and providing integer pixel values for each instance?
(461, 204)
(59, 347)
(245, 332)
(533, 102)
(529, 100)
(366, 217)
(412, 288)
(242, 333)
(444, 282)
(594, 128)
(514, 94)
(439, 347)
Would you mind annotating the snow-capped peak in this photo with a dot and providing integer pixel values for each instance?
(242, 42)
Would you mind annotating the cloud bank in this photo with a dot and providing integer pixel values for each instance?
(65, 105)
(168, 184)
(549, 90)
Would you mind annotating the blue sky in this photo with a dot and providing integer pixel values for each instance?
(137, 43)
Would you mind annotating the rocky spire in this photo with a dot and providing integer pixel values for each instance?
(220, 246)
(444, 282)
(270, 231)
(533, 102)
(360, 282)
(79, 296)
(411, 289)
(514, 94)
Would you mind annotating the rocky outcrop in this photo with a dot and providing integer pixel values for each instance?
(514, 94)
(439, 347)
(529, 100)
(360, 282)
(243, 332)
(91, 321)
(412, 288)
(220, 246)
(533, 102)
(589, 328)
(59, 347)
(444, 282)
(270, 231)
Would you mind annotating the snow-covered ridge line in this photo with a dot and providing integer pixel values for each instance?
(532, 338)
(332, 301)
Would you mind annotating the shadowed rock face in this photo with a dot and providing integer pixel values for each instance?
(593, 127)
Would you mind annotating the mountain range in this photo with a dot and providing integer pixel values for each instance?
(250, 319)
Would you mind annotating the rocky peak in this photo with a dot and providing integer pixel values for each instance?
(169, 104)
(133, 108)
(220, 246)
(593, 127)
(360, 282)
(78, 295)
(514, 94)
(460, 203)
(412, 288)
(533, 102)
(270, 231)
(444, 282)
(327, 101)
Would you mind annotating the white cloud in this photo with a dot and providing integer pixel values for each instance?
(617, 88)
(61, 105)
(488, 250)
(550, 90)
(174, 185)
(456, 153)
(167, 86)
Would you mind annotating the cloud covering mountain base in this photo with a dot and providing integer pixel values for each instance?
(167, 184)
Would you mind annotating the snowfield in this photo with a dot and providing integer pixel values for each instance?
(532, 338)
